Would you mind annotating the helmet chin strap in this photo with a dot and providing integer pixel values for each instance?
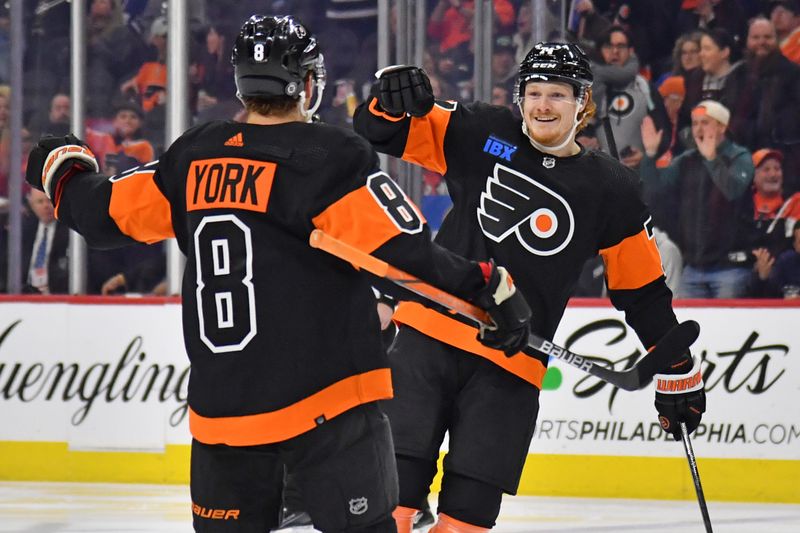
(569, 137)
(308, 114)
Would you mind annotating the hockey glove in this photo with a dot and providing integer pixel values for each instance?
(680, 397)
(402, 89)
(507, 308)
(55, 159)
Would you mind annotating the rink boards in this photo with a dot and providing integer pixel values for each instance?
(95, 390)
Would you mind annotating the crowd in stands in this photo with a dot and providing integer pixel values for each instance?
(701, 97)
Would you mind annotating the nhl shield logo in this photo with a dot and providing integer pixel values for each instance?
(358, 506)
(548, 162)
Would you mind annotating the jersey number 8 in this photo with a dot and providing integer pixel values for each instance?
(226, 309)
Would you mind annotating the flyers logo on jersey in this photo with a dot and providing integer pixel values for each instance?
(515, 203)
(229, 183)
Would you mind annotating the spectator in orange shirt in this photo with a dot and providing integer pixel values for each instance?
(450, 23)
(150, 83)
(785, 15)
(130, 148)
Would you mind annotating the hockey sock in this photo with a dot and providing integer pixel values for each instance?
(415, 477)
(470, 500)
(448, 524)
(404, 517)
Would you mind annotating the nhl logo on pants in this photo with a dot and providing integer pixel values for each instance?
(358, 506)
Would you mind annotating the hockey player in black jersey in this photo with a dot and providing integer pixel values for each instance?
(287, 363)
(527, 195)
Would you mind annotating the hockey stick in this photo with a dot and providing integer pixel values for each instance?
(701, 499)
(668, 349)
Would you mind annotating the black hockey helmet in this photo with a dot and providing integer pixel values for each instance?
(558, 62)
(273, 55)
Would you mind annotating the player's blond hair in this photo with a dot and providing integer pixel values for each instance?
(588, 112)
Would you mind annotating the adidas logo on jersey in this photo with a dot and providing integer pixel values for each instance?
(236, 140)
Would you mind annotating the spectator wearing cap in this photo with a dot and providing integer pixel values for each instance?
(673, 92)
(713, 224)
(769, 201)
(504, 63)
(627, 103)
(768, 106)
(130, 147)
(150, 82)
(785, 15)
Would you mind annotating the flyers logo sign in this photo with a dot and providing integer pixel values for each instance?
(514, 203)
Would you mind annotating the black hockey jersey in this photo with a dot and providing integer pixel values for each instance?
(539, 216)
(281, 336)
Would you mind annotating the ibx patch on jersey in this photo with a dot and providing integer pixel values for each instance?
(515, 203)
(499, 148)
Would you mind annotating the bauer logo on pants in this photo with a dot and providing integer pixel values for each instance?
(515, 203)
(358, 506)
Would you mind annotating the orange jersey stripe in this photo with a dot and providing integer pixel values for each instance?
(464, 337)
(367, 230)
(632, 263)
(295, 419)
(139, 208)
(425, 144)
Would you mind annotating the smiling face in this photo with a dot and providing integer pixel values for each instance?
(761, 38)
(713, 59)
(768, 178)
(548, 109)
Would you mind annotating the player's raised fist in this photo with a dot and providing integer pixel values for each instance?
(402, 89)
(56, 158)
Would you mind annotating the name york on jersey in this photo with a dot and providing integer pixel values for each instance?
(514, 203)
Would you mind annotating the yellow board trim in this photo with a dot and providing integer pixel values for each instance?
(668, 478)
(54, 461)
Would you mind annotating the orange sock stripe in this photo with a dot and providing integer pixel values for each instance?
(404, 518)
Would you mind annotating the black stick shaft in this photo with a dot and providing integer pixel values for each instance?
(701, 499)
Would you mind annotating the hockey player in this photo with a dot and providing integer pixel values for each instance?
(527, 195)
(287, 364)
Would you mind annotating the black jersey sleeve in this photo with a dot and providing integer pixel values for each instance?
(373, 214)
(634, 275)
(115, 211)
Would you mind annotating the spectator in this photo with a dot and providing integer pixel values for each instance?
(717, 50)
(727, 15)
(785, 15)
(685, 56)
(115, 52)
(587, 26)
(501, 95)
(774, 213)
(503, 64)
(150, 83)
(44, 248)
(57, 121)
(711, 180)
(673, 92)
(626, 105)
(523, 37)
(213, 73)
(450, 23)
(651, 27)
(778, 278)
(130, 148)
(768, 107)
